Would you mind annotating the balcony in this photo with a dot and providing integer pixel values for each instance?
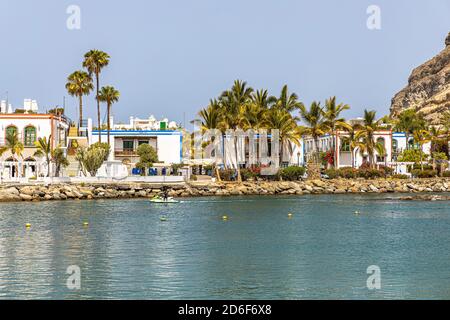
(125, 152)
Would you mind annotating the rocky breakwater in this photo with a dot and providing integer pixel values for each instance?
(114, 191)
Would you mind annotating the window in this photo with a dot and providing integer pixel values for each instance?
(345, 145)
(142, 142)
(11, 130)
(30, 136)
(395, 144)
(381, 141)
(128, 145)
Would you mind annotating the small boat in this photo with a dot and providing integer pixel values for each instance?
(162, 200)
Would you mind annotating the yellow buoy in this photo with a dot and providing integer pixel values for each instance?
(163, 219)
(356, 212)
(85, 224)
(28, 225)
(290, 215)
(224, 217)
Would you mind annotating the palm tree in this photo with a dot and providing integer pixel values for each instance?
(352, 140)
(253, 112)
(334, 121)
(283, 121)
(79, 84)
(421, 137)
(211, 118)
(109, 95)
(436, 137)
(408, 122)
(316, 125)
(59, 159)
(44, 149)
(94, 62)
(366, 136)
(233, 101)
(14, 146)
(287, 102)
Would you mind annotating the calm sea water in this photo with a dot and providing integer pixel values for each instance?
(259, 253)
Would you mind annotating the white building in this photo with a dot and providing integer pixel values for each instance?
(125, 139)
(29, 125)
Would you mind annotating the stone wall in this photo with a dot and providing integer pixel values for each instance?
(111, 191)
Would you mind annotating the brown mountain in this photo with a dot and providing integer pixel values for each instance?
(428, 89)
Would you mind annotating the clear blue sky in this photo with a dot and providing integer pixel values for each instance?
(170, 57)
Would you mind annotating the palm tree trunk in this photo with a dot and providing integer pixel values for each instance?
(81, 110)
(108, 121)
(48, 166)
(407, 140)
(98, 109)
(352, 157)
(334, 149)
(218, 174)
(420, 153)
(316, 151)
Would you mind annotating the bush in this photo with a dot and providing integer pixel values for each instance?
(370, 173)
(248, 174)
(424, 174)
(419, 167)
(292, 173)
(227, 174)
(399, 176)
(352, 173)
(446, 174)
(147, 156)
(412, 155)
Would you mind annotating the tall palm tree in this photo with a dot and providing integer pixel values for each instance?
(409, 121)
(59, 160)
(436, 136)
(78, 85)
(421, 137)
(283, 121)
(109, 95)
(367, 137)
(286, 101)
(335, 121)
(233, 101)
(44, 149)
(14, 146)
(316, 125)
(211, 118)
(94, 62)
(352, 140)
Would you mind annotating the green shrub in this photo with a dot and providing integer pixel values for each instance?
(193, 177)
(332, 173)
(399, 176)
(370, 173)
(292, 173)
(247, 174)
(424, 174)
(227, 174)
(419, 167)
(446, 174)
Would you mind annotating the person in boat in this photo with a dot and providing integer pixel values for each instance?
(165, 193)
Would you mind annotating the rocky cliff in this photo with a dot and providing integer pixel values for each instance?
(428, 89)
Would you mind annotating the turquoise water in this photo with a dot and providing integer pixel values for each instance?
(258, 253)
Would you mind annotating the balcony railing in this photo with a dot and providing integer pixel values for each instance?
(125, 152)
